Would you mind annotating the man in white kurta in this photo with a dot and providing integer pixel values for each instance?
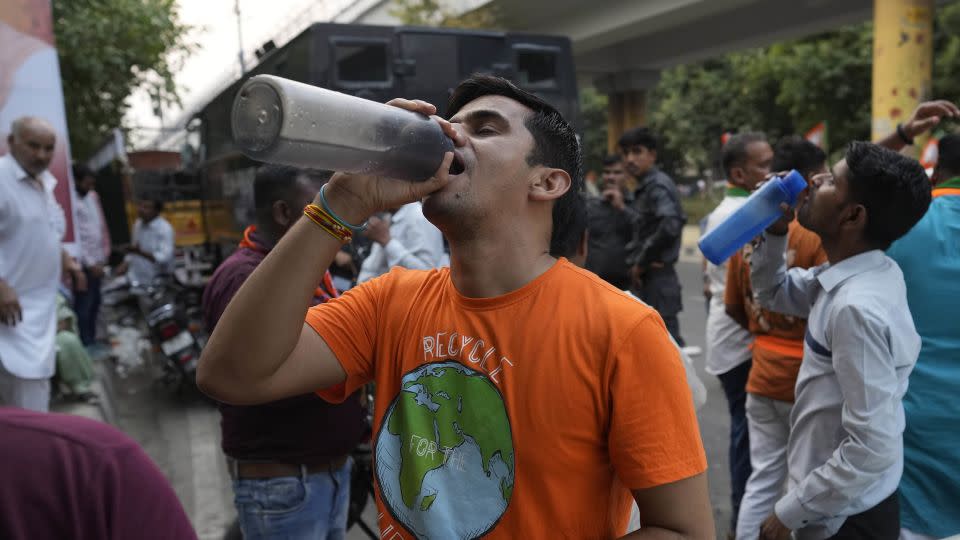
(31, 228)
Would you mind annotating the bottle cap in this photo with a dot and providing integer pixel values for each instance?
(257, 114)
(794, 183)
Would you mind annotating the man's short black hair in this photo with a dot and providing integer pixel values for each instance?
(555, 142)
(893, 188)
(639, 136)
(948, 159)
(81, 171)
(278, 183)
(735, 151)
(157, 204)
(612, 159)
(795, 152)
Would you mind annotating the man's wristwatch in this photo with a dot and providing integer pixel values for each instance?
(903, 135)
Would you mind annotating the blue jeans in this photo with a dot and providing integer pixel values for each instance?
(309, 506)
(734, 384)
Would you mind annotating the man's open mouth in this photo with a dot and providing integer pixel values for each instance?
(456, 167)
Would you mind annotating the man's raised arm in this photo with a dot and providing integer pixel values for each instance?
(926, 116)
(260, 350)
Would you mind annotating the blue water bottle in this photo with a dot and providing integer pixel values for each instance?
(760, 210)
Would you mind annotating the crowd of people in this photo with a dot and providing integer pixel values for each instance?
(521, 340)
(815, 329)
(49, 297)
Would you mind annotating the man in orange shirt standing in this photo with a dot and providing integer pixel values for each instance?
(517, 396)
(777, 352)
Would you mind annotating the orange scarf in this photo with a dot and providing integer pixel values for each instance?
(325, 291)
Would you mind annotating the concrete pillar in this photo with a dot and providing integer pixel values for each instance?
(902, 59)
(626, 101)
(625, 110)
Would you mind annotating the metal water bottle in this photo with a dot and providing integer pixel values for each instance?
(277, 120)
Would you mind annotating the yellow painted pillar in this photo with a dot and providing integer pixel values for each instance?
(902, 59)
(625, 110)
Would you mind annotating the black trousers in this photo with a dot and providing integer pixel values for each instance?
(734, 383)
(87, 306)
(660, 287)
(882, 522)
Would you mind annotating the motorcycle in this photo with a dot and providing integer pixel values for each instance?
(157, 312)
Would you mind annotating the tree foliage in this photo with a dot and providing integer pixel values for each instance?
(108, 49)
(593, 118)
(788, 88)
(437, 13)
(946, 55)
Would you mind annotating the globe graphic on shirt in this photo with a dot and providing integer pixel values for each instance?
(444, 454)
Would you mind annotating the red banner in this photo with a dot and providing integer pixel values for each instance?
(30, 86)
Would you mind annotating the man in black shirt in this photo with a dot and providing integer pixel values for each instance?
(611, 222)
(660, 218)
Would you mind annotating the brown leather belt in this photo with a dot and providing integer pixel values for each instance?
(259, 469)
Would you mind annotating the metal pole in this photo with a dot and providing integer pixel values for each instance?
(236, 9)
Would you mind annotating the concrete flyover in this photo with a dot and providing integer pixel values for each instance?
(620, 46)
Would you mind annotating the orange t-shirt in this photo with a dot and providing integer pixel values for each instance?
(528, 415)
(778, 338)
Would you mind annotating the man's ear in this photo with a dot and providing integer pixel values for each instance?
(281, 213)
(550, 184)
(736, 176)
(855, 218)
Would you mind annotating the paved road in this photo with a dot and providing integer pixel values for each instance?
(182, 434)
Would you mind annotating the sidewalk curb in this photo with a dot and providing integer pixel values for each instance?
(689, 252)
(105, 408)
(107, 404)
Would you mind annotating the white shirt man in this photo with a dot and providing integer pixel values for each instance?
(407, 240)
(94, 243)
(30, 233)
(728, 343)
(153, 242)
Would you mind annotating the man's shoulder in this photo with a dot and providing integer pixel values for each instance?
(73, 432)
(163, 224)
(933, 228)
(875, 293)
(9, 169)
(239, 265)
(660, 184)
(727, 206)
(661, 176)
(622, 307)
(5, 163)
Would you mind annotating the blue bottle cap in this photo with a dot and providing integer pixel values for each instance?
(794, 183)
